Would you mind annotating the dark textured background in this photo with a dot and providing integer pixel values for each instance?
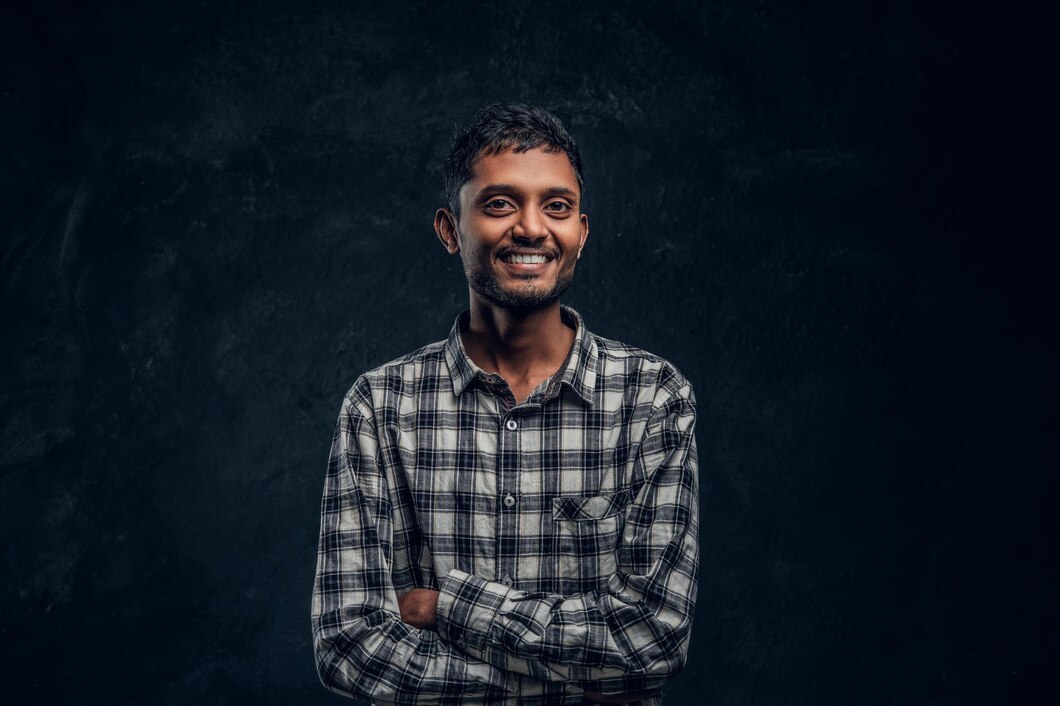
(215, 215)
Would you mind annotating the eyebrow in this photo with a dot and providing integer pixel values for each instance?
(492, 189)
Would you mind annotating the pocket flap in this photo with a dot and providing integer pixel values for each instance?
(594, 507)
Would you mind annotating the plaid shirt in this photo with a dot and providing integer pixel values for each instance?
(561, 531)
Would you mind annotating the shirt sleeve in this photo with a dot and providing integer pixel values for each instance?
(362, 647)
(633, 633)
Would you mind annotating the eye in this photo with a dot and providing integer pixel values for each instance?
(497, 205)
(558, 207)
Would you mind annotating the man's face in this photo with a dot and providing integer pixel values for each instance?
(520, 230)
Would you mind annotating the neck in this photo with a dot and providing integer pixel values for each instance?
(515, 343)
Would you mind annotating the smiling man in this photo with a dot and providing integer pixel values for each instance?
(510, 515)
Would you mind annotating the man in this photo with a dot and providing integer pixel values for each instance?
(510, 515)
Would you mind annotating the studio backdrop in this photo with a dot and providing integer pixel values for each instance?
(215, 216)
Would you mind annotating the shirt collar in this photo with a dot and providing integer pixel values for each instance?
(579, 372)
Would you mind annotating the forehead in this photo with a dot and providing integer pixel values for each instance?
(532, 170)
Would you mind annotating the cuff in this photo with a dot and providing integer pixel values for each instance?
(467, 606)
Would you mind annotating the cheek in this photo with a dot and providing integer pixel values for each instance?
(474, 257)
(574, 247)
(468, 247)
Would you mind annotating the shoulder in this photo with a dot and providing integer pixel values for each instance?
(623, 365)
(401, 376)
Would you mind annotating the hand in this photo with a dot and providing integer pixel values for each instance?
(419, 607)
(594, 697)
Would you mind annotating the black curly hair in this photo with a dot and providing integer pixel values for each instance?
(499, 127)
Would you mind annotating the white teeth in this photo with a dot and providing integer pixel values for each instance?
(527, 259)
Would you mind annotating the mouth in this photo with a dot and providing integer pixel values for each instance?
(524, 263)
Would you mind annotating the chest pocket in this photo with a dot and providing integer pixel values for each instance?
(586, 533)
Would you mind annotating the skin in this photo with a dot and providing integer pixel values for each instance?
(527, 202)
(524, 202)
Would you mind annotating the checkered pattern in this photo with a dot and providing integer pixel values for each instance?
(561, 531)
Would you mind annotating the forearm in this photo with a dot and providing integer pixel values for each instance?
(383, 664)
(378, 657)
(633, 631)
(370, 643)
(419, 608)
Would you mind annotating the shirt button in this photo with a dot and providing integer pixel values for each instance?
(512, 426)
(507, 581)
(509, 500)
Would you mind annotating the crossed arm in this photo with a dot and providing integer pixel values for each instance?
(474, 635)
(419, 608)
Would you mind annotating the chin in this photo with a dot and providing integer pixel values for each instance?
(524, 300)
(518, 296)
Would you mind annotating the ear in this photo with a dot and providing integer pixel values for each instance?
(585, 233)
(445, 227)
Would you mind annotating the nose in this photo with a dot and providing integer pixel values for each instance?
(530, 227)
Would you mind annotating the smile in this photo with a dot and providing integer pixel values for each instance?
(517, 259)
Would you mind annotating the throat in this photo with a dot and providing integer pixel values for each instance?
(524, 350)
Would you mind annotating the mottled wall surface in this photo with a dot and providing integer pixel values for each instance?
(216, 215)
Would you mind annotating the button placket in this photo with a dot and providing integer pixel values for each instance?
(509, 466)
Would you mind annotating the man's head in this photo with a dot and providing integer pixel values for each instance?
(514, 186)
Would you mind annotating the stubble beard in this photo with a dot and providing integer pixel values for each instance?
(524, 298)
